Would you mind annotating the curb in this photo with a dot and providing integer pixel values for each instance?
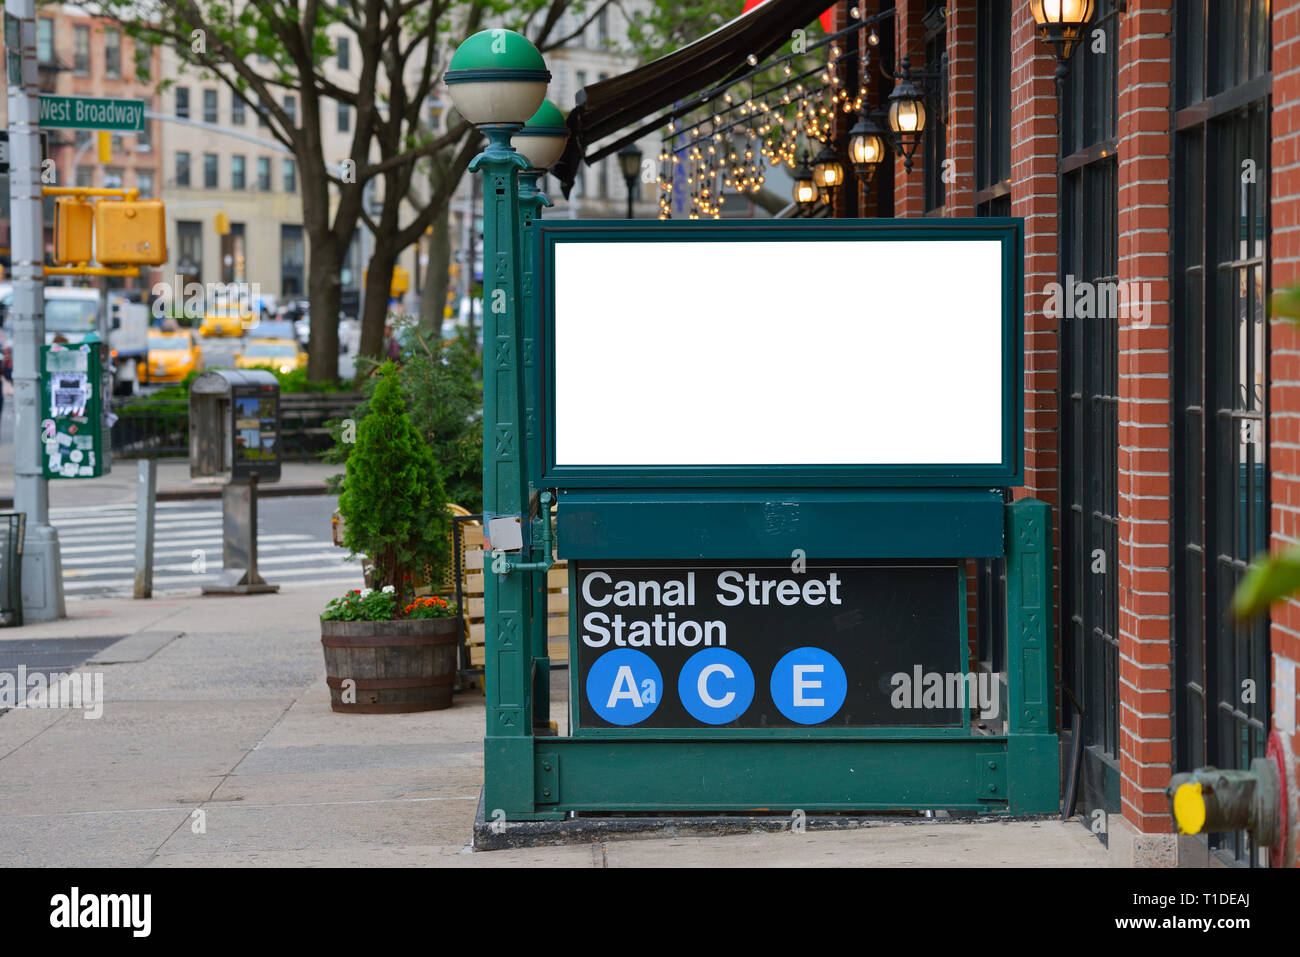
(596, 828)
(214, 492)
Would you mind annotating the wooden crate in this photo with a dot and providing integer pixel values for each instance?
(557, 601)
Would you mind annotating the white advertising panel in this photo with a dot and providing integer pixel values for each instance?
(732, 353)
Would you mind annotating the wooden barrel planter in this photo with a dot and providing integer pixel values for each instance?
(397, 666)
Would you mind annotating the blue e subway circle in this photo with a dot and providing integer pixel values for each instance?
(809, 685)
(716, 686)
(624, 686)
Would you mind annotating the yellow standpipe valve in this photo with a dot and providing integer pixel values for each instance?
(1212, 800)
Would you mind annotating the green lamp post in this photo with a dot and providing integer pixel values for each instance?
(497, 80)
(541, 142)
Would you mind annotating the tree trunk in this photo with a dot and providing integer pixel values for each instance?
(323, 291)
(434, 298)
(374, 313)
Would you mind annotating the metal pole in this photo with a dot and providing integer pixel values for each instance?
(631, 182)
(42, 567)
(508, 745)
(147, 469)
(531, 202)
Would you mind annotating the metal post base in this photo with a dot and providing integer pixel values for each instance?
(42, 575)
(239, 543)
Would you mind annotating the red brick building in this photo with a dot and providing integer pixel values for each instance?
(1164, 430)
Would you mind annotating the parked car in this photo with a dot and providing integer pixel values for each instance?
(226, 320)
(172, 356)
(272, 329)
(281, 354)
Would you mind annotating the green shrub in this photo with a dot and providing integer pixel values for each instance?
(393, 503)
(445, 400)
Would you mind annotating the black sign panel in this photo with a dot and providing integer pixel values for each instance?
(771, 644)
(255, 433)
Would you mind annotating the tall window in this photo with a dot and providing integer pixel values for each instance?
(344, 117)
(934, 140)
(183, 102)
(209, 106)
(81, 49)
(209, 170)
(292, 259)
(1090, 412)
(113, 53)
(236, 109)
(343, 52)
(1219, 233)
(237, 177)
(182, 168)
(45, 40)
(264, 173)
(291, 107)
(144, 139)
(112, 177)
(85, 176)
(189, 250)
(142, 54)
(290, 175)
(993, 108)
(234, 255)
(144, 182)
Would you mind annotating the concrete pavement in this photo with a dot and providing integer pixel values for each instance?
(217, 747)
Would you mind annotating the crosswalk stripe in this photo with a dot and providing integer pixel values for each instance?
(188, 553)
(97, 546)
(75, 547)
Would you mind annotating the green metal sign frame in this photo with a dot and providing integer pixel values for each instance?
(886, 512)
(1009, 232)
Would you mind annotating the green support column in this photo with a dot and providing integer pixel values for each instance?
(1033, 760)
(508, 748)
(531, 203)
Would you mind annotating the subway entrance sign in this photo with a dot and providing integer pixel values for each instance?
(769, 485)
(92, 113)
(757, 644)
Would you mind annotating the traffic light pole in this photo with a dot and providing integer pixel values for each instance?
(42, 570)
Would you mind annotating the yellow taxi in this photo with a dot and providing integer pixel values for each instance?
(172, 356)
(283, 355)
(225, 320)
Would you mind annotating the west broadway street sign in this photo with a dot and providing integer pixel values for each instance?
(754, 644)
(92, 113)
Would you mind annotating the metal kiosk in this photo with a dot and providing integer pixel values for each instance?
(768, 484)
(235, 434)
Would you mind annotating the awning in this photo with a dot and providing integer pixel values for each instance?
(609, 106)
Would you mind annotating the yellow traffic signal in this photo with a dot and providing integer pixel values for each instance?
(223, 224)
(73, 223)
(131, 232)
(400, 283)
(105, 146)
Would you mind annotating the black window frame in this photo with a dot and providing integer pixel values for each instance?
(1223, 106)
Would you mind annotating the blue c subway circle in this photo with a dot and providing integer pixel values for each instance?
(716, 686)
(624, 686)
(809, 685)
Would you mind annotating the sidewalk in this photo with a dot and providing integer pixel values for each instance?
(219, 705)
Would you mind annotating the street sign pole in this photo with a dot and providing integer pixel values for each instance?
(42, 568)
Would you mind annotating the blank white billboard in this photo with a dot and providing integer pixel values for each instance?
(837, 352)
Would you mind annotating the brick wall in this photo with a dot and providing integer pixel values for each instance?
(1145, 581)
(1284, 357)
(959, 195)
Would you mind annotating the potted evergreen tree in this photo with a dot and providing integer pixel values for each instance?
(386, 650)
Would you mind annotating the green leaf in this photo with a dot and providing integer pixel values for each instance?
(1270, 578)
